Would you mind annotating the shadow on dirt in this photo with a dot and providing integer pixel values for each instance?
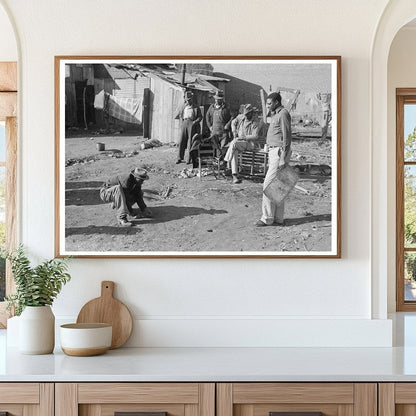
(307, 219)
(81, 197)
(83, 185)
(88, 193)
(168, 213)
(92, 229)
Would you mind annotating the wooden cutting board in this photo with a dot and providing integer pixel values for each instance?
(107, 309)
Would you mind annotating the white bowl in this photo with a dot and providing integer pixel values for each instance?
(83, 340)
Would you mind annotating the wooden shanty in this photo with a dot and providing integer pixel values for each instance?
(160, 87)
(167, 94)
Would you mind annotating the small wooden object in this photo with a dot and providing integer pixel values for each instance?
(107, 309)
(281, 185)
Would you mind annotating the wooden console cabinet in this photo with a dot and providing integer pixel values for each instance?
(208, 399)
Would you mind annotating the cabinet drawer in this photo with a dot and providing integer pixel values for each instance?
(309, 399)
(147, 399)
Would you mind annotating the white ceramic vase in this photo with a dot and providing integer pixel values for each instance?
(37, 330)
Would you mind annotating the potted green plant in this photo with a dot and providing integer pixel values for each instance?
(36, 289)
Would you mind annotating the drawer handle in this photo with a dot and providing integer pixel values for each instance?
(139, 414)
(295, 414)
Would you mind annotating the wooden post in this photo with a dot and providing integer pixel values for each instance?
(146, 113)
(183, 74)
(263, 104)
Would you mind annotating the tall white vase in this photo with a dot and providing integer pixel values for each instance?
(37, 330)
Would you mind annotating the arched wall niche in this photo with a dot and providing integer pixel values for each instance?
(396, 15)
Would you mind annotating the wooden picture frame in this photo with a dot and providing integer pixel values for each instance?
(118, 117)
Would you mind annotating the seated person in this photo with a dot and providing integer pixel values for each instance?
(246, 132)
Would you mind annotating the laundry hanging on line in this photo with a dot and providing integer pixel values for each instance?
(129, 110)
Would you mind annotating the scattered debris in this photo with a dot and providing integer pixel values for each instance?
(166, 192)
(205, 172)
(150, 143)
(187, 173)
(299, 188)
(87, 159)
(313, 169)
(119, 155)
(108, 131)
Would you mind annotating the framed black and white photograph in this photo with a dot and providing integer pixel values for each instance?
(198, 156)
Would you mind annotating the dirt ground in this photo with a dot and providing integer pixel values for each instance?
(189, 213)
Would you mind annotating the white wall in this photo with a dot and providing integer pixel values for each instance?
(401, 74)
(8, 46)
(181, 301)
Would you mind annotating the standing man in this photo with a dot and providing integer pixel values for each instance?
(123, 191)
(245, 131)
(190, 116)
(327, 115)
(218, 119)
(278, 140)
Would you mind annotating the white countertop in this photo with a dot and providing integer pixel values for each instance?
(215, 364)
(222, 364)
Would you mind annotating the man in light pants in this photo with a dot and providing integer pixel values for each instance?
(245, 130)
(278, 141)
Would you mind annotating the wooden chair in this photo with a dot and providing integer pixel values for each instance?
(207, 157)
(253, 163)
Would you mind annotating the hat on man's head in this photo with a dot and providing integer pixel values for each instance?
(219, 94)
(139, 173)
(248, 108)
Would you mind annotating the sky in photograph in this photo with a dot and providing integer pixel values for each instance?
(305, 77)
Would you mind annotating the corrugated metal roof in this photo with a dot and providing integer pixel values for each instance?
(212, 78)
(165, 73)
(121, 72)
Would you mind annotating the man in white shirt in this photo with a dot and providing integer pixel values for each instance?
(190, 116)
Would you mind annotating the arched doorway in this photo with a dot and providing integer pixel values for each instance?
(395, 16)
